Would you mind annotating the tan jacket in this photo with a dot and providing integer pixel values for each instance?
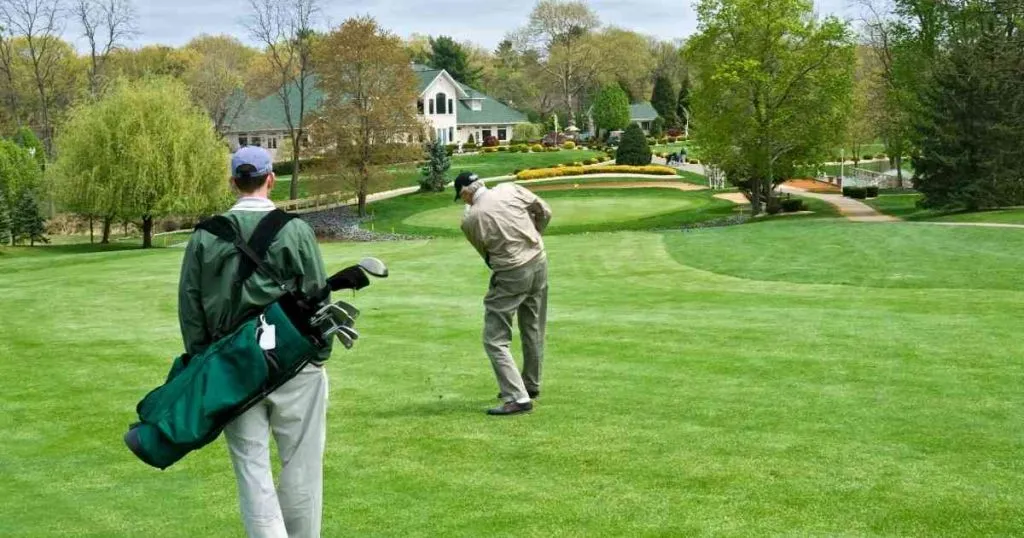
(505, 224)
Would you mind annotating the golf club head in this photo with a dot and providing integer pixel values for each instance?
(343, 337)
(374, 267)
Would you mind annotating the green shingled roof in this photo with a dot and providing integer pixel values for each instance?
(268, 114)
(491, 113)
(642, 112)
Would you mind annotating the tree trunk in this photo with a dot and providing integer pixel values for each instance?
(92, 233)
(899, 170)
(147, 231)
(293, 189)
(364, 182)
(107, 221)
(755, 198)
(126, 228)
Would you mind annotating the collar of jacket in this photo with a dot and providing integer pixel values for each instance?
(253, 203)
(479, 193)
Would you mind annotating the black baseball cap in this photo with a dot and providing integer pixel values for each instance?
(463, 181)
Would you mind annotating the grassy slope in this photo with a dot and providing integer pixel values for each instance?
(677, 401)
(904, 206)
(392, 214)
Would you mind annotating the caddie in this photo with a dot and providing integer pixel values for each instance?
(211, 302)
(505, 225)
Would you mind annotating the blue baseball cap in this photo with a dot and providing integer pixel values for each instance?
(251, 161)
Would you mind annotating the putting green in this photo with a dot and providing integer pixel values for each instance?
(573, 211)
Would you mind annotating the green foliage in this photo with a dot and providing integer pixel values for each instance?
(19, 172)
(792, 205)
(434, 173)
(658, 129)
(665, 101)
(756, 119)
(286, 168)
(141, 151)
(526, 132)
(5, 221)
(683, 101)
(471, 140)
(27, 139)
(447, 54)
(611, 108)
(971, 123)
(27, 222)
(634, 149)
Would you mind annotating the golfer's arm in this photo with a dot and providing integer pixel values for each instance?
(190, 303)
(472, 234)
(541, 213)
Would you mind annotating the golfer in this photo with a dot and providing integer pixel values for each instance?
(209, 304)
(505, 224)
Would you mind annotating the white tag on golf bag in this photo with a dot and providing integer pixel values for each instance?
(268, 335)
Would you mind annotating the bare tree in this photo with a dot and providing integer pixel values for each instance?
(7, 56)
(39, 22)
(285, 28)
(106, 24)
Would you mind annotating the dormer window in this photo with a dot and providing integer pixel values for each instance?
(451, 107)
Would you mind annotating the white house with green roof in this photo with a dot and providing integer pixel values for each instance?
(642, 113)
(450, 111)
(453, 111)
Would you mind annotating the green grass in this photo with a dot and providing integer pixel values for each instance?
(905, 207)
(784, 378)
(585, 211)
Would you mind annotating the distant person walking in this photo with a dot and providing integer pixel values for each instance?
(505, 225)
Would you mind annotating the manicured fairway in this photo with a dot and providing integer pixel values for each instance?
(786, 378)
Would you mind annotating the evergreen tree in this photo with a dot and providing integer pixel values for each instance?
(611, 108)
(634, 149)
(664, 100)
(658, 127)
(5, 221)
(438, 163)
(447, 54)
(28, 221)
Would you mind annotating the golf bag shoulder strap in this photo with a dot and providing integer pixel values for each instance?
(262, 237)
(255, 250)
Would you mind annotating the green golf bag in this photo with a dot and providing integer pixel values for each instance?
(203, 393)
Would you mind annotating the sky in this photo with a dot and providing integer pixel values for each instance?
(484, 22)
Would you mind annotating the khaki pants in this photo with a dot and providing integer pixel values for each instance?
(296, 414)
(522, 291)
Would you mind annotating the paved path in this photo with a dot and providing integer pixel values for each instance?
(848, 207)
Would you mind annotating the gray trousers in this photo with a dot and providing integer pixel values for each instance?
(296, 414)
(524, 292)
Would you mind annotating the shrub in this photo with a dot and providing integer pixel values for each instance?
(675, 132)
(871, 192)
(859, 193)
(434, 172)
(537, 148)
(866, 157)
(634, 149)
(503, 148)
(469, 145)
(491, 141)
(577, 163)
(563, 171)
(589, 162)
(658, 126)
(792, 205)
(663, 140)
(490, 150)
(774, 206)
(553, 149)
(284, 168)
(881, 156)
(569, 144)
(471, 140)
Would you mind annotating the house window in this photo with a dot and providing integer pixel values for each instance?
(451, 107)
(442, 99)
(502, 135)
(451, 134)
(431, 106)
(243, 140)
(256, 141)
(272, 142)
(486, 135)
(419, 106)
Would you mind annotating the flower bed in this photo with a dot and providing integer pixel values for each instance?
(581, 171)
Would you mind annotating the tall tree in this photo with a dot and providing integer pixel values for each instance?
(633, 150)
(560, 29)
(40, 22)
(367, 113)
(624, 57)
(142, 151)
(106, 24)
(285, 28)
(27, 222)
(774, 87)
(611, 109)
(665, 100)
(5, 221)
(446, 54)
(218, 77)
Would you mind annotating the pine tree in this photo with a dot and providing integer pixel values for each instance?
(5, 221)
(438, 163)
(664, 100)
(28, 221)
(634, 149)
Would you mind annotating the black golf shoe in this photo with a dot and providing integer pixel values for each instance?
(511, 408)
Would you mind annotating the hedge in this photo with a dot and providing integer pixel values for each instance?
(284, 168)
(581, 171)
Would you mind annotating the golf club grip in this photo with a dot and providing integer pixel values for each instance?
(350, 278)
